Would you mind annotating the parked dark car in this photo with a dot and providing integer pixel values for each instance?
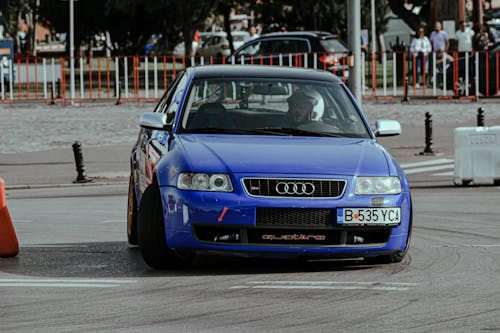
(488, 70)
(324, 51)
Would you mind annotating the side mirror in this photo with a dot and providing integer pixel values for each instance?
(154, 120)
(384, 127)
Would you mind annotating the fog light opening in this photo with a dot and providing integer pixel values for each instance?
(227, 237)
(353, 239)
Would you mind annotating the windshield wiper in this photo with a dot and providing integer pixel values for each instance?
(291, 131)
(282, 131)
(217, 130)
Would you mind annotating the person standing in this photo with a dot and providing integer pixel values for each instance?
(440, 44)
(481, 40)
(420, 48)
(252, 34)
(464, 37)
(439, 39)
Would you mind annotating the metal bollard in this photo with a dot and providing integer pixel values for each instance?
(405, 98)
(119, 93)
(52, 94)
(58, 88)
(480, 117)
(77, 151)
(428, 134)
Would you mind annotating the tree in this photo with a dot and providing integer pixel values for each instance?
(16, 11)
(169, 17)
(416, 13)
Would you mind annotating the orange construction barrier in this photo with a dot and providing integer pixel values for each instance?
(9, 246)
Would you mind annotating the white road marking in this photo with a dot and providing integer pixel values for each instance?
(431, 165)
(64, 283)
(327, 285)
(113, 221)
(467, 245)
(430, 168)
(52, 245)
(425, 163)
(444, 174)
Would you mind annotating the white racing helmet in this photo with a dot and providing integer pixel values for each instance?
(313, 97)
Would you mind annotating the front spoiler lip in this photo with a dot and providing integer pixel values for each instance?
(305, 255)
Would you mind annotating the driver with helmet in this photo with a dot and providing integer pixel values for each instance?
(305, 105)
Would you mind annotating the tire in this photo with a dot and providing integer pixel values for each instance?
(151, 233)
(132, 213)
(398, 256)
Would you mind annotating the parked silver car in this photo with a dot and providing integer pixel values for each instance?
(217, 44)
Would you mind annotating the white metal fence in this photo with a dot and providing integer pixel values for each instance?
(384, 75)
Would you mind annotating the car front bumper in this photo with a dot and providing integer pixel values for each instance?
(239, 224)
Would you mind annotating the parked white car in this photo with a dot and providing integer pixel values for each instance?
(217, 44)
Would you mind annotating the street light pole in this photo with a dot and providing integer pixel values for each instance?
(354, 32)
(72, 47)
(35, 26)
(374, 33)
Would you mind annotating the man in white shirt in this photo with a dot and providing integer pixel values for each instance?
(464, 37)
(253, 34)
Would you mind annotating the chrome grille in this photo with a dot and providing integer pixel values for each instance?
(267, 187)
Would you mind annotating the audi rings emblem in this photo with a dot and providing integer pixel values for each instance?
(297, 188)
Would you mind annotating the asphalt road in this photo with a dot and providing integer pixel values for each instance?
(75, 272)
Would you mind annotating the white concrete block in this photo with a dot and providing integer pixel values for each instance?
(477, 155)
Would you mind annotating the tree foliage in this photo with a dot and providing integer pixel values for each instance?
(131, 22)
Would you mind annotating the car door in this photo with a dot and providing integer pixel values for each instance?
(152, 144)
(207, 47)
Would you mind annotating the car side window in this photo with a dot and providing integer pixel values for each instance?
(210, 41)
(299, 46)
(289, 46)
(267, 47)
(254, 48)
(175, 99)
(167, 96)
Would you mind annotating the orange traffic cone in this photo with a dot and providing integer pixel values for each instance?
(8, 240)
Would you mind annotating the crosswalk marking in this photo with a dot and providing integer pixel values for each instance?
(429, 166)
(424, 163)
(444, 174)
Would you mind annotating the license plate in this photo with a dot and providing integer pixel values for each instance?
(369, 216)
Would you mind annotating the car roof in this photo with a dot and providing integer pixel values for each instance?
(318, 34)
(263, 71)
(223, 33)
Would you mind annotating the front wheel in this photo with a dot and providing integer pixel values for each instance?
(151, 233)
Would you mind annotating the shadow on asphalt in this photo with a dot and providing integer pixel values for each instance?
(118, 259)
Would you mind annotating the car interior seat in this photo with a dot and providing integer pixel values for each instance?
(211, 115)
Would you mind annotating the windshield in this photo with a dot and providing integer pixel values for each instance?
(271, 107)
(333, 45)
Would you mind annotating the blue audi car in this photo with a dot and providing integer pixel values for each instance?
(265, 161)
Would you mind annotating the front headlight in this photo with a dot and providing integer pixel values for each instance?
(215, 182)
(378, 185)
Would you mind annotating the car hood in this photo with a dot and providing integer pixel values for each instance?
(283, 154)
